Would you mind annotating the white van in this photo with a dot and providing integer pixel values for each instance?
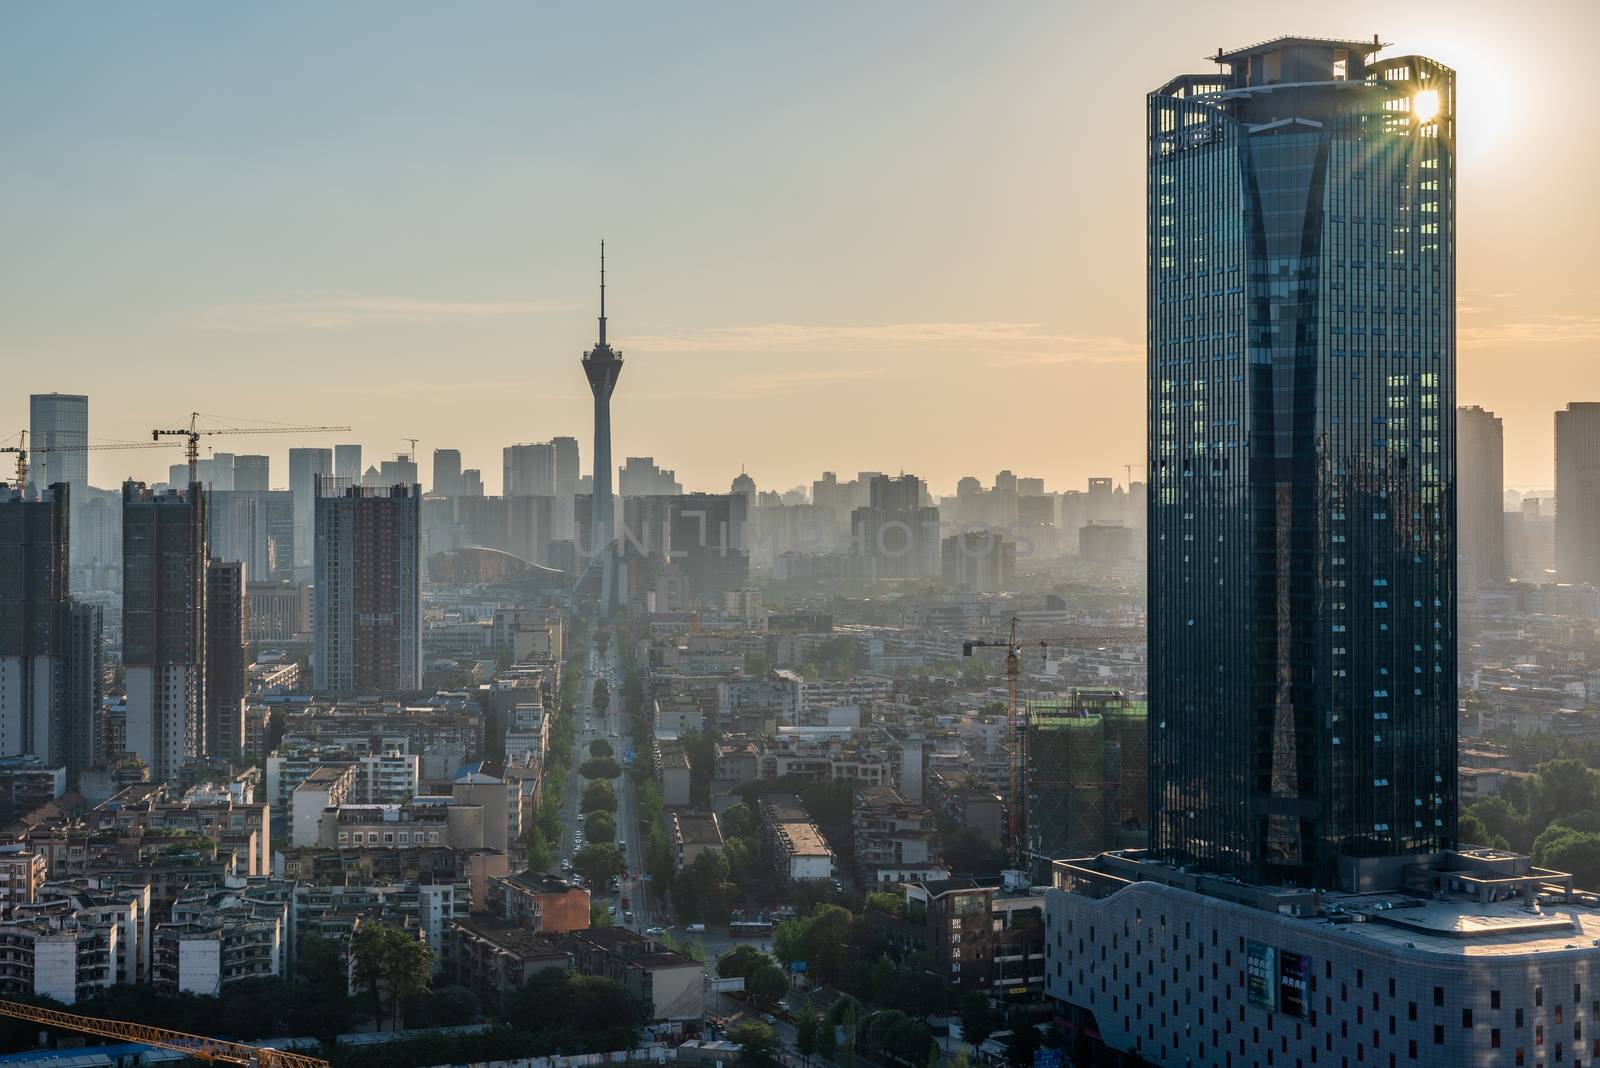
(696, 928)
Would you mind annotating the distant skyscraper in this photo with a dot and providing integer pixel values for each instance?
(33, 591)
(305, 467)
(640, 477)
(252, 473)
(367, 615)
(227, 658)
(1578, 493)
(567, 476)
(447, 472)
(82, 722)
(1302, 589)
(528, 470)
(401, 471)
(472, 482)
(896, 530)
(347, 464)
(163, 623)
(1480, 508)
(602, 366)
(58, 421)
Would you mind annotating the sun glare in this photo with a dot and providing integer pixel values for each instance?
(1425, 105)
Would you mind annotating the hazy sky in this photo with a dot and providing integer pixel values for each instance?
(881, 236)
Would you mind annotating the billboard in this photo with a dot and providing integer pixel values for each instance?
(1293, 973)
(1261, 975)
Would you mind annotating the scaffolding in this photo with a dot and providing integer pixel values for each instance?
(1086, 774)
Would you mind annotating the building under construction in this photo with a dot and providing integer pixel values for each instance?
(1087, 777)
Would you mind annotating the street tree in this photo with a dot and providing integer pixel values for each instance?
(598, 862)
(391, 963)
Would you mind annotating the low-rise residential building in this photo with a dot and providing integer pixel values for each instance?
(495, 959)
(391, 775)
(693, 833)
(62, 956)
(672, 763)
(984, 935)
(669, 985)
(791, 842)
(329, 786)
(538, 902)
(895, 841)
(22, 873)
(217, 938)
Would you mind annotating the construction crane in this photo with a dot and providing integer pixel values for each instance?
(198, 1047)
(21, 449)
(1017, 716)
(193, 433)
(412, 456)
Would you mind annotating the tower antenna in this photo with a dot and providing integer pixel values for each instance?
(602, 293)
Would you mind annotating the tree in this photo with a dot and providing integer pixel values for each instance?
(540, 856)
(1501, 819)
(597, 863)
(739, 821)
(755, 1039)
(977, 1018)
(1024, 1039)
(827, 1040)
(1572, 851)
(391, 963)
(1560, 787)
(600, 768)
(599, 915)
(741, 960)
(766, 985)
(701, 890)
(600, 748)
(967, 850)
(602, 695)
(598, 796)
(805, 1032)
(600, 828)
(575, 1013)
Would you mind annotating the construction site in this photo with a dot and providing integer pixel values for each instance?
(1086, 777)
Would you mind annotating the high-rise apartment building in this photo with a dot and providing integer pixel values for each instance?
(1480, 505)
(1578, 493)
(447, 472)
(529, 470)
(305, 467)
(252, 473)
(82, 719)
(58, 430)
(227, 658)
(163, 623)
(1302, 578)
(640, 477)
(255, 527)
(896, 530)
(33, 592)
(401, 471)
(366, 606)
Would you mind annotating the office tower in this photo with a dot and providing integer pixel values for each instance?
(33, 589)
(1301, 395)
(163, 623)
(82, 725)
(895, 530)
(528, 470)
(347, 464)
(252, 473)
(227, 658)
(602, 366)
(1480, 507)
(58, 421)
(706, 540)
(305, 467)
(366, 615)
(255, 528)
(567, 475)
(401, 471)
(1578, 493)
(472, 482)
(446, 472)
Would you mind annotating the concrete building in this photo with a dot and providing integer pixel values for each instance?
(252, 473)
(227, 658)
(535, 901)
(528, 470)
(1480, 507)
(672, 764)
(306, 466)
(1088, 781)
(347, 464)
(791, 842)
(896, 840)
(986, 935)
(495, 959)
(981, 561)
(693, 833)
(326, 787)
(61, 957)
(896, 529)
(368, 631)
(669, 985)
(447, 472)
(163, 624)
(1577, 527)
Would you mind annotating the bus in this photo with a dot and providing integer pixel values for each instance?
(750, 929)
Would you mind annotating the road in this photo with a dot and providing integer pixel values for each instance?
(607, 725)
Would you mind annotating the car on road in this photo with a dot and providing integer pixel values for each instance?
(627, 916)
(654, 931)
(580, 817)
(696, 928)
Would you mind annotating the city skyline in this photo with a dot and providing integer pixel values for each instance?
(428, 280)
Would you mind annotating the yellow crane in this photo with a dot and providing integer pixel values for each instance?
(193, 433)
(23, 452)
(200, 1047)
(1017, 716)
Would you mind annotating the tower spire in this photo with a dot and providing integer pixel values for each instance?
(602, 293)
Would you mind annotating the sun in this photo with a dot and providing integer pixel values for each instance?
(1425, 105)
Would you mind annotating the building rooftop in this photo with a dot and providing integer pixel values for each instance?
(1364, 48)
(537, 883)
(508, 936)
(697, 828)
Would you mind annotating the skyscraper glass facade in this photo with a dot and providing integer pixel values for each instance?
(1301, 283)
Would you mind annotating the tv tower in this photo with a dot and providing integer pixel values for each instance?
(602, 365)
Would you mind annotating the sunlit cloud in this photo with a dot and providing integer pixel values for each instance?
(1545, 330)
(953, 336)
(333, 313)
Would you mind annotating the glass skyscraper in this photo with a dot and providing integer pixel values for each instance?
(1302, 543)
(59, 421)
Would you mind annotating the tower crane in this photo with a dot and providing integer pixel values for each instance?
(1017, 716)
(197, 1047)
(193, 433)
(21, 449)
(23, 452)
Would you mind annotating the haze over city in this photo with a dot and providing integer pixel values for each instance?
(918, 225)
